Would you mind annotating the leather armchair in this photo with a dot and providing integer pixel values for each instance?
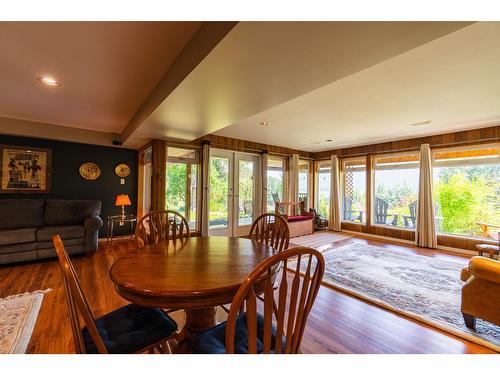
(481, 291)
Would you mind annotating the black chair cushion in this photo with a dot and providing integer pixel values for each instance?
(213, 340)
(130, 328)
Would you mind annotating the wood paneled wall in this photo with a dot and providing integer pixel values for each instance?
(158, 185)
(217, 141)
(468, 137)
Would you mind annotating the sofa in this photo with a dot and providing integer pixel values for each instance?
(481, 291)
(299, 220)
(27, 227)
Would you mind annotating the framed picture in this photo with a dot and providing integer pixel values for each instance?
(25, 170)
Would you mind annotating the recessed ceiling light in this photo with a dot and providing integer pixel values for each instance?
(329, 140)
(264, 123)
(49, 81)
(426, 122)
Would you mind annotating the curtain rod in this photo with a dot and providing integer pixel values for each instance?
(415, 148)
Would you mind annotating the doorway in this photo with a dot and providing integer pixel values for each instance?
(234, 198)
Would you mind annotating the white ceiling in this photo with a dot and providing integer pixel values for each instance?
(107, 69)
(260, 65)
(453, 81)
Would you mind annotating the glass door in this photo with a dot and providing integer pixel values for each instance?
(221, 193)
(234, 202)
(246, 199)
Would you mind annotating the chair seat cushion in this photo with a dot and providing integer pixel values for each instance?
(213, 340)
(67, 232)
(130, 328)
(292, 218)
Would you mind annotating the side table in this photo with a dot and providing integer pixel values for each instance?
(121, 220)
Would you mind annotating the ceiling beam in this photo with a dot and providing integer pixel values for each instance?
(205, 39)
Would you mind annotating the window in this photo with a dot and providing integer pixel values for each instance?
(304, 182)
(323, 190)
(395, 190)
(182, 183)
(354, 190)
(275, 181)
(466, 188)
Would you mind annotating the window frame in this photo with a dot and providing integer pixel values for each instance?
(318, 165)
(343, 161)
(283, 169)
(457, 163)
(189, 162)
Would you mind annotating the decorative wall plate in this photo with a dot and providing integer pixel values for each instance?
(90, 171)
(122, 170)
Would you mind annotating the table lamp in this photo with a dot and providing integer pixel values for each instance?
(122, 200)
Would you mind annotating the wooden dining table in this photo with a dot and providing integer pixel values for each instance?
(196, 274)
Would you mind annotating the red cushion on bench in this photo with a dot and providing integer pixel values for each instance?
(298, 218)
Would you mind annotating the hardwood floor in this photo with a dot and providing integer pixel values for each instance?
(338, 322)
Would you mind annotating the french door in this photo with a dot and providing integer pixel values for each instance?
(234, 198)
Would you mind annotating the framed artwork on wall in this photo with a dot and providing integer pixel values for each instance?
(25, 170)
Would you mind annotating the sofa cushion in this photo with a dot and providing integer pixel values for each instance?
(69, 212)
(21, 213)
(67, 242)
(66, 232)
(14, 236)
(292, 218)
(17, 248)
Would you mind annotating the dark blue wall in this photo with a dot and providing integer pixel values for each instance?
(67, 182)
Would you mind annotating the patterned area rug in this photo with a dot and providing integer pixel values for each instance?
(18, 316)
(424, 288)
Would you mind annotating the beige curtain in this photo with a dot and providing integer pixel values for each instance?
(425, 231)
(335, 220)
(263, 179)
(293, 178)
(205, 183)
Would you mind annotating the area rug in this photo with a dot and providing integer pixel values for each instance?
(421, 287)
(18, 316)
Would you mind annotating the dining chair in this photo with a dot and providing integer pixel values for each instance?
(272, 230)
(252, 332)
(129, 329)
(161, 226)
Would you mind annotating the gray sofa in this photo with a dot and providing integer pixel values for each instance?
(27, 227)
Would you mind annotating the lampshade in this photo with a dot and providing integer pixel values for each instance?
(122, 200)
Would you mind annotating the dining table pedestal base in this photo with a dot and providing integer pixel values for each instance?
(199, 320)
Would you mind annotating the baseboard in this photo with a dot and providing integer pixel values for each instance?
(398, 240)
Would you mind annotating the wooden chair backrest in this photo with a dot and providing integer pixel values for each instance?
(290, 208)
(348, 209)
(160, 226)
(294, 301)
(381, 208)
(412, 207)
(272, 230)
(77, 303)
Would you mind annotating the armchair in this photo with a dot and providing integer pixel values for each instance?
(482, 286)
(299, 220)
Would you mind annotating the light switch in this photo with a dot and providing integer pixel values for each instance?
(122, 181)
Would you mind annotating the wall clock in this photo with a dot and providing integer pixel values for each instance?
(122, 170)
(90, 171)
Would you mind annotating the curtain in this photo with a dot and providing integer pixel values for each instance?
(425, 231)
(263, 179)
(335, 220)
(293, 179)
(205, 183)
